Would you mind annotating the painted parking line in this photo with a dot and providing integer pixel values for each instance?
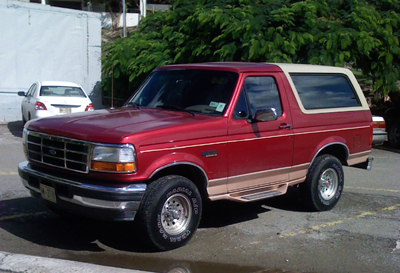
(334, 223)
(370, 189)
(4, 218)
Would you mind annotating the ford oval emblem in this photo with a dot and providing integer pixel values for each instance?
(52, 152)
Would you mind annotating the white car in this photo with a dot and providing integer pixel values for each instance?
(51, 98)
(379, 130)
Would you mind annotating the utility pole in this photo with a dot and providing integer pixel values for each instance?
(124, 18)
(143, 7)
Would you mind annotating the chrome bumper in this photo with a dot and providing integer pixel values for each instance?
(103, 202)
(379, 138)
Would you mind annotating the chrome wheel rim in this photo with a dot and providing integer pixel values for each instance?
(176, 214)
(328, 184)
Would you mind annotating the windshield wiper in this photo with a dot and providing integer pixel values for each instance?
(176, 108)
(132, 104)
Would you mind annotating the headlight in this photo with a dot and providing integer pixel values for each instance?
(25, 142)
(114, 158)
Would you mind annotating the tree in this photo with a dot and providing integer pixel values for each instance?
(313, 31)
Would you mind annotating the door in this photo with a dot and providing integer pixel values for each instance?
(260, 152)
(27, 102)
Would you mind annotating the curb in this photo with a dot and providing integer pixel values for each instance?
(16, 263)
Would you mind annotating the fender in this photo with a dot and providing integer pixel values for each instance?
(175, 159)
(335, 140)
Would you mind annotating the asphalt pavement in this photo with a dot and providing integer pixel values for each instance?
(11, 262)
(361, 234)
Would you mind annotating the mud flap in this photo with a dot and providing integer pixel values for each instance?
(367, 165)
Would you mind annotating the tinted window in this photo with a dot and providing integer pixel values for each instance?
(262, 93)
(61, 91)
(31, 90)
(241, 111)
(200, 91)
(319, 91)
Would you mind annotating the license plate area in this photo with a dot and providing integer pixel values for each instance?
(64, 110)
(48, 193)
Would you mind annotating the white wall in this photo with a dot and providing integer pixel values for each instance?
(132, 20)
(40, 42)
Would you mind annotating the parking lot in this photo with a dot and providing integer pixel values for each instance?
(361, 234)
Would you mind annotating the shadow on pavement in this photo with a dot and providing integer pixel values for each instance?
(291, 201)
(386, 147)
(223, 213)
(29, 219)
(15, 128)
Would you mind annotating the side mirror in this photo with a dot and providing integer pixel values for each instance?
(21, 93)
(265, 115)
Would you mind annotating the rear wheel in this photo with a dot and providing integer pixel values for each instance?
(324, 183)
(394, 135)
(170, 212)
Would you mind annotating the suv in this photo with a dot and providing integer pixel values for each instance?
(197, 132)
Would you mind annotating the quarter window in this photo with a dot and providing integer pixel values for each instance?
(320, 91)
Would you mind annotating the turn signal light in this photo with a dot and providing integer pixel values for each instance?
(113, 167)
(371, 133)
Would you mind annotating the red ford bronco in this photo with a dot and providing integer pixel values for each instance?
(196, 132)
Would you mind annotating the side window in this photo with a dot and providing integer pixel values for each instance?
(31, 90)
(320, 91)
(262, 93)
(241, 111)
(34, 90)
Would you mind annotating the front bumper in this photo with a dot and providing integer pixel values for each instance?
(95, 201)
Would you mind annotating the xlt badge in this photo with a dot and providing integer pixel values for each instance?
(211, 153)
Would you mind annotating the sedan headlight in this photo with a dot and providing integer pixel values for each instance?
(110, 158)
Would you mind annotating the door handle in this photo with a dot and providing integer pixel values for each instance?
(285, 126)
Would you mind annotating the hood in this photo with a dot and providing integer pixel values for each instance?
(112, 126)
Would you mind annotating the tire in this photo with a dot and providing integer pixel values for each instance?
(170, 212)
(23, 119)
(324, 183)
(394, 135)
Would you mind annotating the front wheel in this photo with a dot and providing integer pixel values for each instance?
(170, 212)
(324, 183)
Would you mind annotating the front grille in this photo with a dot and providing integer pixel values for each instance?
(59, 152)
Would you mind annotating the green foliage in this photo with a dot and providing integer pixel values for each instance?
(334, 32)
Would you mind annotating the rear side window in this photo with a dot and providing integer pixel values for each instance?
(320, 91)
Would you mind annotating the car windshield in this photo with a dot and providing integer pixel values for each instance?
(196, 91)
(61, 91)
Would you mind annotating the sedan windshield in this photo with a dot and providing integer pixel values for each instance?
(195, 91)
(61, 91)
